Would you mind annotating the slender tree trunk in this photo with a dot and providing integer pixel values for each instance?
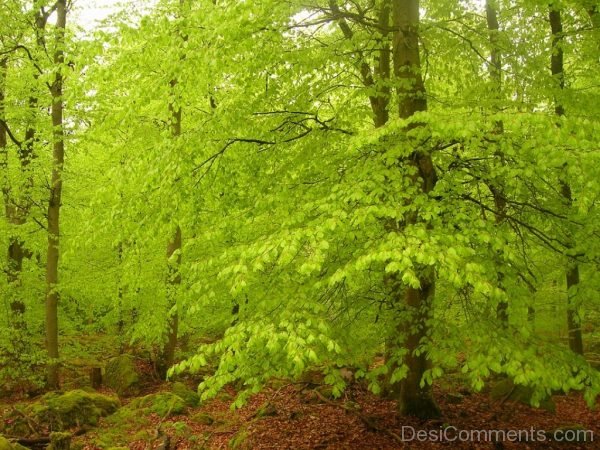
(167, 356)
(414, 399)
(495, 71)
(54, 203)
(572, 272)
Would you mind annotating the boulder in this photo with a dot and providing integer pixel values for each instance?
(190, 397)
(203, 418)
(60, 411)
(121, 375)
(5, 444)
(165, 404)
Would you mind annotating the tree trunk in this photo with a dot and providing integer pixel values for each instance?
(572, 271)
(167, 356)
(54, 203)
(495, 71)
(414, 399)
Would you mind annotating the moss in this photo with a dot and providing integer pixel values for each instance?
(203, 418)
(165, 404)
(59, 441)
(178, 429)
(60, 411)
(119, 428)
(121, 375)
(5, 444)
(190, 397)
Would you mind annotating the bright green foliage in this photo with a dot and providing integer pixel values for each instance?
(297, 213)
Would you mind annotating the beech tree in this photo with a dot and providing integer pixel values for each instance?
(388, 187)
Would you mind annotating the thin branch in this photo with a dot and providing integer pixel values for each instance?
(10, 134)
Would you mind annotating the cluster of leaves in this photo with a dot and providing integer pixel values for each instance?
(302, 218)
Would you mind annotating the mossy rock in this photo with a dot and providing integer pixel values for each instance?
(121, 375)
(60, 411)
(165, 404)
(203, 418)
(5, 444)
(507, 390)
(59, 441)
(190, 397)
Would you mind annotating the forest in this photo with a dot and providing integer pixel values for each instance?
(303, 224)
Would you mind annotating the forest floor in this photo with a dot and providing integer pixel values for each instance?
(298, 419)
(302, 416)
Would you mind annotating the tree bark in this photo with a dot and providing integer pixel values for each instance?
(167, 357)
(414, 399)
(54, 203)
(572, 272)
(495, 71)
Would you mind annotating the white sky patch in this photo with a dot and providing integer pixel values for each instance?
(90, 14)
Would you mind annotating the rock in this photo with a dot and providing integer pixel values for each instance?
(165, 404)
(60, 441)
(5, 444)
(121, 375)
(190, 397)
(203, 418)
(507, 390)
(74, 408)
